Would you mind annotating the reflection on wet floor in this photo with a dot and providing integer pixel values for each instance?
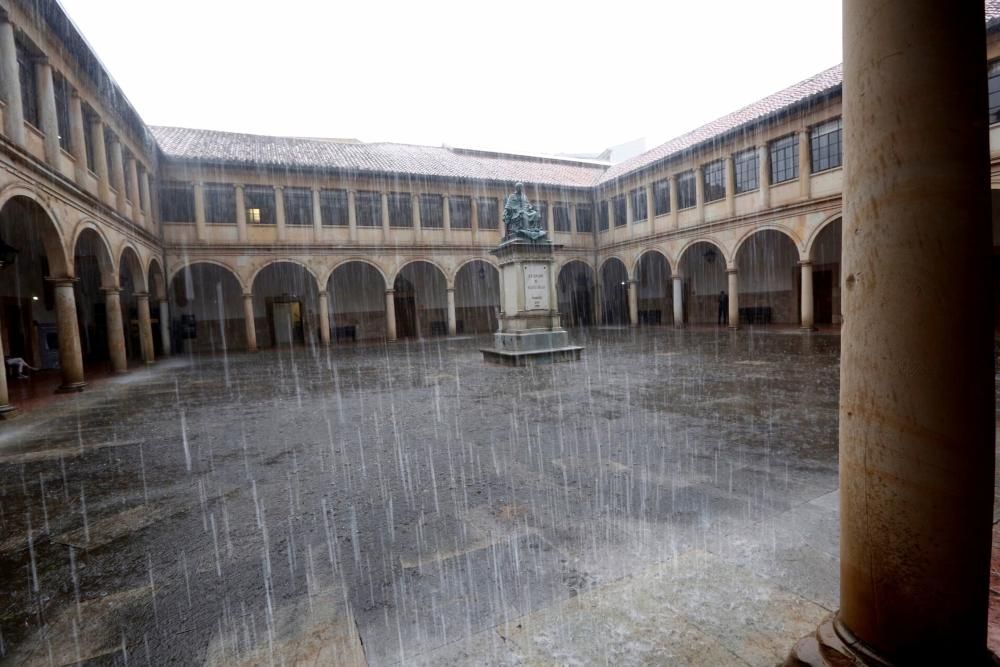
(670, 496)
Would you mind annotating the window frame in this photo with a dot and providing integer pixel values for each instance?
(620, 205)
(784, 158)
(210, 193)
(334, 205)
(713, 181)
(741, 173)
(585, 222)
(687, 187)
(561, 221)
(298, 213)
(266, 206)
(488, 219)
(825, 152)
(400, 210)
(433, 204)
(604, 216)
(661, 194)
(167, 198)
(368, 209)
(639, 204)
(460, 212)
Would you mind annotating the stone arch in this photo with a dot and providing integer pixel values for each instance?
(44, 226)
(283, 260)
(610, 258)
(363, 260)
(477, 296)
(128, 257)
(768, 277)
(426, 260)
(286, 303)
(825, 257)
(718, 246)
(757, 229)
(155, 280)
(206, 303)
(575, 283)
(420, 299)
(633, 272)
(811, 240)
(614, 291)
(105, 258)
(356, 300)
(470, 260)
(186, 264)
(652, 279)
(701, 264)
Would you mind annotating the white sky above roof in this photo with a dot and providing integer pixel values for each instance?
(535, 77)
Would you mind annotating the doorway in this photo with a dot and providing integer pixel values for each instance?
(286, 321)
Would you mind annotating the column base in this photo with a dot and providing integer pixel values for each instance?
(808, 329)
(733, 327)
(71, 388)
(8, 411)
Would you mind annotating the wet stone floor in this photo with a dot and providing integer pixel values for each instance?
(669, 499)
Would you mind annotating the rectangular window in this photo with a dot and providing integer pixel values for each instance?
(585, 218)
(714, 174)
(298, 206)
(176, 202)
(993, 82)
(661, 195)
(687, 191)
(604, 217)
(29, 84)
(460, 212)
(560, 218)
(543, 214)
(825, 145)
(260, 205)
(489, 213)
(747, 168)
(220, 204)
(400, 209)
(368, 208)
(431, 212)
(638, 199)
(62, 94)
(784, 159)
(88, 140)
(620, 209)
(333, 208)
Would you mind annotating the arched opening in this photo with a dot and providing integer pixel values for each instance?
(825, 256)
(94, 269)
(614, 292)
(477, 297)
(157, 305)
(132, 281)
(655, 289)
(703, 267)
(286, 305)
(769, 279)
(575, 291)
(206, 302)
(421, 301)
(357, 302)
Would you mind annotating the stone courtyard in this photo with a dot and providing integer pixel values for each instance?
(669, 499)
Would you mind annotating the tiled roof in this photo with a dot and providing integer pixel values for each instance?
(376, 158)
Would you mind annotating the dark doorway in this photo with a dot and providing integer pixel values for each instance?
(823, 297)
(405, 302)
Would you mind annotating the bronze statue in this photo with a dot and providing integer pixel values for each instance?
(520, 218)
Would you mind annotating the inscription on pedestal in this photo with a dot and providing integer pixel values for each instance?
(536, 286)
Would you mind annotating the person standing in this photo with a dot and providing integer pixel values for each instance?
(723, 308)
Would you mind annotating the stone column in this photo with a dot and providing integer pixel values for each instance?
(118, 174)
(385, 217)
(764, 178)
(6, 409)
(730, 186)
(651, 208)
(145, 327)
(279, 211)
(808, 323)
(673, 202)
(474, 215)
(77, 140)
(131, 168)
(446, 213)
(47, 111)
(68, 330)
(241, 214)
(916, 369)
(10, 83)
(699, 192)
(165, 328)
(678, 304)
(734, 299)
(352, 217)
(633, 303)
(201, 232)
(100, 159)
(248, 322)
(145, 202)
(452, 320)
(805, 164)
(390, 315)
(572, 222)
(116, 329)
(324, 317)
(317, 213)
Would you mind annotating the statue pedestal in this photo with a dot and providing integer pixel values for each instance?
(530, 330)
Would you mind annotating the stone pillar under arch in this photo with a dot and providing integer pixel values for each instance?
(68, 330)
(633, 303)
(165, 328)
(390, 315)
(6, 409)
(324, 317)
(734, 298)
(917, 403)
(145, 327)
(808, 319)
(248, 322)
(678, 301)
(116, 330)
(452, 318)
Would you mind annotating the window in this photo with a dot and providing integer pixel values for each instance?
(220, 204)
(604, 216)
(400, 209)
(259, 205)
(994, 88)
(585, 218)
(489, 213)
(825, 145)
(431, 212)
(785, 159)
(543, 214)
(298, 206)
(687, 191)
(714, 175)
(747, 168)
(333, 208)
(62, 94)
(460, 212)
(108, 139)
(661, 197)
(88, 140)
(638, 197)
(368, 208)
(176, 202)
(621, 210)
(560, 218)
(29, 84)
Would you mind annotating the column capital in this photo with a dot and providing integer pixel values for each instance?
(731, 269)
(323, 293)
(247, 295)
(111, 290)
(805, 262)
(279, 188)
(63, 281)
(390, 292)
(141, 295)
(450, 289)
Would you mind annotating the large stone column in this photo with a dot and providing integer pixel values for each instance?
(6, 409)
(324, 317)
(165, 328)
(68, 330)
(200, 228)
(116, 330)
(241, 214)
(730, 186)
(132, 170)
(47, 111)
(805, 164)
(674, 220)
(118, 174)
(764, 176)
(144, 198)
(279, 211)
(10, 83)
(100, 159)
(678, 301)
(77, 140)
(734, 299)
(808, 321)
(452, 319)
(390, 315)
(248, 321)
(699, 191)
(352, 217)
(916, 370)
(145, 327)
(650, 208)
(633, 303)
(317, 206)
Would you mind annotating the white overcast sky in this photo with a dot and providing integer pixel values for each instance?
(537, 77)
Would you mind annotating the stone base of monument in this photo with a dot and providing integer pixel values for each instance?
(530, 330)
